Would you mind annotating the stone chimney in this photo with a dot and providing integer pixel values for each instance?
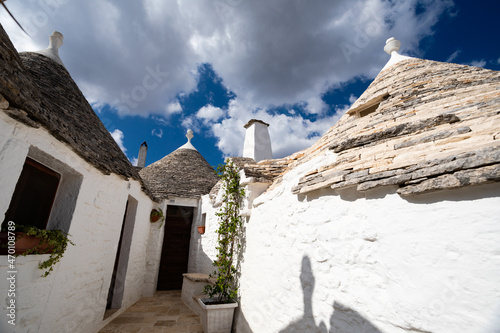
(143, 151)
(257, 141)
(55, 42)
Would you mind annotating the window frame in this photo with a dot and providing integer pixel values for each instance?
(369, 107)
(19, 196)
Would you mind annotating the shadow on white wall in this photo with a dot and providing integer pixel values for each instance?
(342, 320)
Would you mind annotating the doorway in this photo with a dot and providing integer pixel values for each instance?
(175, 250)
(117, 285)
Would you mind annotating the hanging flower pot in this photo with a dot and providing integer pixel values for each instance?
(156, 215)
(201, 229)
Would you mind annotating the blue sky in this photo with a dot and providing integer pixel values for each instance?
(152, 69)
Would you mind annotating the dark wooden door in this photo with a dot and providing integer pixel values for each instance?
(175, 250)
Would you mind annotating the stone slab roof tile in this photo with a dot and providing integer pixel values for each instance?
(68, 116)
(41, 92)
(433, 112)
(183, 173)
(262, 171)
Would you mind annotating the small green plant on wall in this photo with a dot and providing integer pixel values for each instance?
(51, 241)
(225, 289)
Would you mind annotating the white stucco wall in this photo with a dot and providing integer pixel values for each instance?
(202, 248)
(73, 298)
(199, 261)
(348, 262)
(153, 254)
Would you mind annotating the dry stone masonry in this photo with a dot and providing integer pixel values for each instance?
(434, 130)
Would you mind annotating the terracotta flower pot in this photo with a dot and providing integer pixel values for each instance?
(23, 244)
(201, 229)
(154, 216)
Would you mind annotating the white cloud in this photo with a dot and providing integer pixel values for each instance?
(498, 61)
(478, 63)
(118, 137)
(352, 99)
(316, 105)
(288, 133)
(157, 132)
(134, 161)
(138, 56)
(188, 123)
(453, 56)
(210, 113)
(160, 120)
(172, 108)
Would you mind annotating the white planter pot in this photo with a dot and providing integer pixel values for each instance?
(217, 318)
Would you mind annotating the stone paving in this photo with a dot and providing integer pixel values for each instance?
(163, 313)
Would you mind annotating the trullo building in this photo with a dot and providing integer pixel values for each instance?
(388, 223)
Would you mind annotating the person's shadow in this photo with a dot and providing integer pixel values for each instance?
(343, 319)
(346, 320)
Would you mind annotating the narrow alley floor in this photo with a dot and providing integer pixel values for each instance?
(163, 313)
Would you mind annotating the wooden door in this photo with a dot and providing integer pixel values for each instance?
(175, 250)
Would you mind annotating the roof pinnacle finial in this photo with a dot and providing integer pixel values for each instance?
(188, 145)
(55, 42)
(392, 45)
(189, 135)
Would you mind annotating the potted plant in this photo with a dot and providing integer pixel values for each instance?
(218, 308)
(157, 215)
(201, 229)
(32, 240)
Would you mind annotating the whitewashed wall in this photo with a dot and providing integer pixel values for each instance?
(153, 254)
(73, 298)
(202, 249)
(345, 262)
(199, 249)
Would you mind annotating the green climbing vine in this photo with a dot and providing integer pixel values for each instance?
(225, 289)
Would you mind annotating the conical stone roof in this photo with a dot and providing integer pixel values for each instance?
(434, 126)
(183, 173)
(421, 126)
(41, 92)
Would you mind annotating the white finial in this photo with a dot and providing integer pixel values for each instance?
(189, 135)
(55, 42)
(392, 45)
(188, 145)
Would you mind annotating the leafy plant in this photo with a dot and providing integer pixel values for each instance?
(225, 289)
(157, 215)
(54, 240)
